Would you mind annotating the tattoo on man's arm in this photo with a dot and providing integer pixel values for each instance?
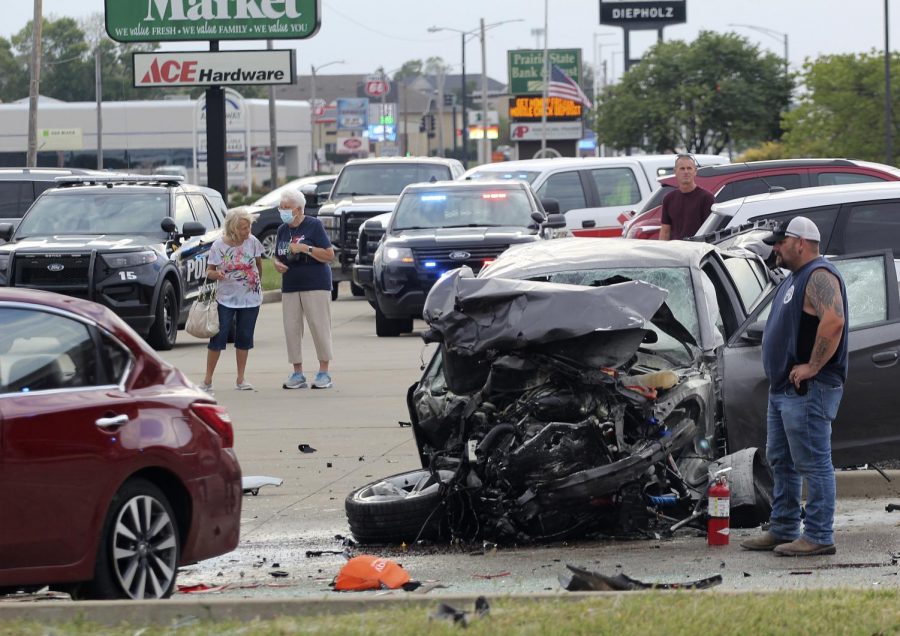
(824, 293)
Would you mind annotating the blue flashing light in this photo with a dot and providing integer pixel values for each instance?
(433, 197)
(430, 264)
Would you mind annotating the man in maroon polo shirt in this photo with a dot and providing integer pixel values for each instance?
(684, 209)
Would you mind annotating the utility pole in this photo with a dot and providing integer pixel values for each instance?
(34, 86)
(485, 142)
(98, 89)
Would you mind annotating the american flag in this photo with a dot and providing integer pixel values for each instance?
(561, 85)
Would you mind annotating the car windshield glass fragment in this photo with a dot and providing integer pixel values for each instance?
(96, 213)
(676, 280)
(462, 208)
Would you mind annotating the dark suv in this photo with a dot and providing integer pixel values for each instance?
(737, 180)
(135, 243)
(436, 227)
(367, 188)
(19, 187)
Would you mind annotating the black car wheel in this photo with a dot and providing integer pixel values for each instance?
(390, 327)
(404, 507)
(165, 328)
(334, 291)
(267, 239)
(140, 546)
(356, 290)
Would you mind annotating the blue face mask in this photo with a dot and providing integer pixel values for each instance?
(286, 214)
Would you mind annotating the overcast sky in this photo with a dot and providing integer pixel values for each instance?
(367, 34)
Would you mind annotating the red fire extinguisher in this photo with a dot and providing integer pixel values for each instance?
(717, 525)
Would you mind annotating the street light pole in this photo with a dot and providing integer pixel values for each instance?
(463, 34)
(778, 35)
(312, 112)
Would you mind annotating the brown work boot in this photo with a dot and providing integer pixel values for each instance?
(802, 547)
(763, 542)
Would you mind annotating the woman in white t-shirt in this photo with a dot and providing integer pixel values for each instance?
(235, 261)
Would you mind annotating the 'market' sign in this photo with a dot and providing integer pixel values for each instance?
(172, 20)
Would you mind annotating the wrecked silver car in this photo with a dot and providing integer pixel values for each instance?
(576, 390)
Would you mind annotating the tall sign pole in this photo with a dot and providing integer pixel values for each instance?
(216, 165)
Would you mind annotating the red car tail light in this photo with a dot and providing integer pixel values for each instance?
(216, 417)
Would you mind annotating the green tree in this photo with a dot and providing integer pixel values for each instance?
(13, 77)
(410, 69)
(67, 73)
(841, 112)
(700, 97)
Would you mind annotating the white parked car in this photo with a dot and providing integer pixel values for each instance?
(851, 218)
(596, 194)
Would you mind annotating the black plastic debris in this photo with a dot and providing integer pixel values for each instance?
(581, 580)
(278, 574)
(305, 448)
(318, 553)
(405, 424)
(449, 613)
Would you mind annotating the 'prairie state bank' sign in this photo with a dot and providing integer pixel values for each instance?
(174, 20)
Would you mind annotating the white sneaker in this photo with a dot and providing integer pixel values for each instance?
(206, 387)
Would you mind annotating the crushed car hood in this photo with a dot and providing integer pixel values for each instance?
(471, 315)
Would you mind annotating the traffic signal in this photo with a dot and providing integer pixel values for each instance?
(422, 124)
(431, 123)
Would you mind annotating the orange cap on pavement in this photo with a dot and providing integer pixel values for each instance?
(368, 572)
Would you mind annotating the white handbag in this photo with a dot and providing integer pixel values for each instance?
(203, 318)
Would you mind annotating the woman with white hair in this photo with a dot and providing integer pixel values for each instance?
(302, 254)
(235, 260)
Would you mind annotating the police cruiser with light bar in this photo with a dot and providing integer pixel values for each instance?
(134, 243)
(436, 227)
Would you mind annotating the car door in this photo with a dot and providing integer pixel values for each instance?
(866, 428)
(191, 256)
(63, 419)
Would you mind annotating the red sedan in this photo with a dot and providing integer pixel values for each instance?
(114, 468)
(736, 180)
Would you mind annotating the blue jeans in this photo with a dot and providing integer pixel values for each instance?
(798, 446)
(245, 324)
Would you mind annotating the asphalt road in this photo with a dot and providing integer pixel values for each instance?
(354, 429)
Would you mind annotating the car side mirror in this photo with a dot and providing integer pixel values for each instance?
(168, 225)
(555, 221)
(6, 231)
(193, 228)
(551, 206)
(754, 333)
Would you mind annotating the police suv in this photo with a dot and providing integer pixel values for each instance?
(135, 243)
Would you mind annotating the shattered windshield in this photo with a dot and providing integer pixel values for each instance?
(96, 213)
(462, 208)
(675, 280)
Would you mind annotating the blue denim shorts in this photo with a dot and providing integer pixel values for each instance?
(244, 319)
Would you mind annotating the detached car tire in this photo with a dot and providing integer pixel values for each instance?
(140, 546)
(164, 330)
(403, 507)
